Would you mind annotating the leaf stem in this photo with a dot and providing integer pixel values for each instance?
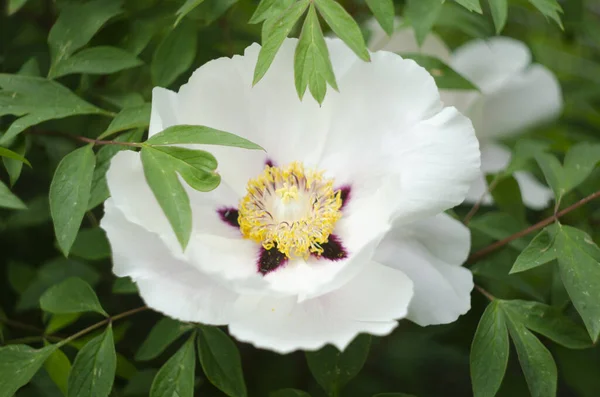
(485, 293)
(83, 138)
(499, 244)
(476, 206)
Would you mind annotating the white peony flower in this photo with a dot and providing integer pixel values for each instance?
(328, 234)
(514, 95)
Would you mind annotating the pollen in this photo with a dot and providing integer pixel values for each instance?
(291, 208)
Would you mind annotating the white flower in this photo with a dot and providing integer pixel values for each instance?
(515, 95)
(377, 161)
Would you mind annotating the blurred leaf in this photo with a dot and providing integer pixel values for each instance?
(445, 77)
(198, 134)
(393, 395)
(312, 66)
(471, 5)
(499, 10)
(211, 10)
(14, 6)
(553, 173)
(37, 99)
(275, 37)
(140, 383)
(188, 6)
(93, 371)
(124, 285)
(125, 368)
(455, 17)
(384, 12)
(344, 26)
(37, 213)
(550, 9)
(76, 25)
(536, 361)
(18, 364)
(220, 360)
(332, 369)
(14, 166)
(525, 151)
(163, 334)
(129, 118)
(91, 244)
(97, 60)
(579, 264)
(548, 321)
(9, 200)
(500, 225)
(60, 321)
(267, 9)
(30, 68)
(174, 54)
(7, 153)
(579, 163)
(20, 276)
(289, 393)
(507, 196)
(422, 15)
(540, 250)
(71, 296)
(489, 352)
(176, 377)
(70, 194)
(58, 367)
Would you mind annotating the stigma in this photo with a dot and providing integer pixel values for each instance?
(292, 208)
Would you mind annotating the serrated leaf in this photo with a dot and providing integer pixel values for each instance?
(9, 200)
(174, 54)
(163, 334)
(18, 364)
(445, 77)
(220, 360)
(540, 250)
(201, 135)
(76, 25)
(535, 359)
(71, 296)
(334, 369)
(276, 35)
(169, 193)
(124, 285)
(383, 10)
(58, 367)
(548, 321)
(422, 15)
(186, 8)
(267, 9)
(550, 9)
(93, 371)
(70, 194)
(344, 26)
(499, 10)
(176, 377)
(471, 5)
(489, 352)
(289, 393)
(579, 264)
(129, 118)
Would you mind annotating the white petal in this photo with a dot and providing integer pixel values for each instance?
(164, 110)
(494, 157)
(490, 63)
(430, 253)
(478, 189)
(166, 283)
(535, 195)
(370, 303)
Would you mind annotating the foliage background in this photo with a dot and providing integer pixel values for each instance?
(147, 50)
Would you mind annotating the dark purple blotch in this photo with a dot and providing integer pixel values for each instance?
(229, 215)
(345, 194)
(333, 249)
(270, 259)
(269, 162)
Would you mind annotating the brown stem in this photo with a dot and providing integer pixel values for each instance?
(476, 206)
(83, 138)
(17, 324)
(499, 244)
(485, 293)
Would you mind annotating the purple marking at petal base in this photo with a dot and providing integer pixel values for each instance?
(270, 260)
(333, 249)
(345, 194)
(229, 215)
(269, 162)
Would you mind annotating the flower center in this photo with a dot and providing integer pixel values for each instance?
(290, 208)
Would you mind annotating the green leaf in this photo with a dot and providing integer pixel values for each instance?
(275, 37)
(525, 151)
(548, 321)
(500, 225)
(312, 66)
(37, 99)
(553, 173)
(176, 377)
(93, 371)
(220, 360)
(58, 367)
(579, 264)
(383, 10)
(471, 5)
(333, 369)
(267, 9)
(198, 134)
(174, 54)
(393, 395)
(9, 200)
(125, 368)
(289, 393)
(20, 276)
(18, 364)
(139, 385)
(70, 194)
(536, 361)
(165, 332)
(445, 77)
(344, 26)
(14, 6)
(76, 25)
(422, 15)
(489, 352)
(579, 163)
(91, 244)
(7, 153)
(15, 166)
(540, 250)
(507, 195)
(97, 60)
(60, 321)
(129, 118)
(124, 285)
(185, 9)
(499, 10)
(550, 9)
(71, 296)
